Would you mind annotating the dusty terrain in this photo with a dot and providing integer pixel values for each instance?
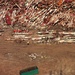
(55, 57)
(48, 57)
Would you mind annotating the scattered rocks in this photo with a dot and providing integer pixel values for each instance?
(40, 57)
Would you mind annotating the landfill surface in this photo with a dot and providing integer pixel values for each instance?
(37, 33)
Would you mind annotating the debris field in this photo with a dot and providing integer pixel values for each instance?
(37, 32)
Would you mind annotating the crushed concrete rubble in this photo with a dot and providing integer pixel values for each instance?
(26, 18)
(41, 56)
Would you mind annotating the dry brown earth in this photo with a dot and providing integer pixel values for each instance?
(55, 57)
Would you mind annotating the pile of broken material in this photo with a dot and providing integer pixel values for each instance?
(37, 15)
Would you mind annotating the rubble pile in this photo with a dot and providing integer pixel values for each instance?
(41, 56)
(26, 16)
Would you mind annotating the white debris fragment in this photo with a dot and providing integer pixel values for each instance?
(32, 56)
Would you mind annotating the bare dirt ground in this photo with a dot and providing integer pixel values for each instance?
(15, 57)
